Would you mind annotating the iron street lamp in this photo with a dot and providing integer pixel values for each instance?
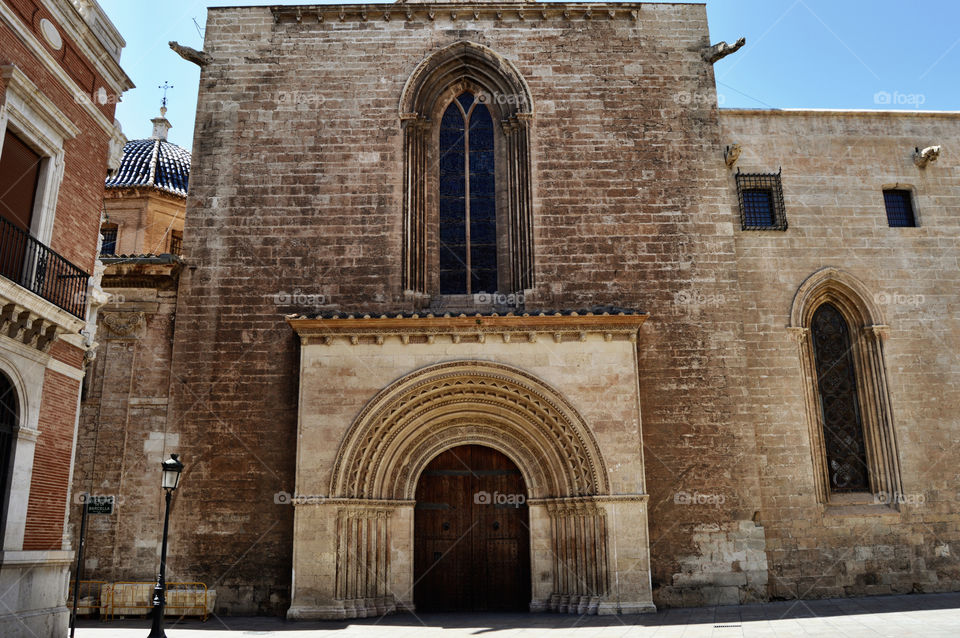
(172, 468)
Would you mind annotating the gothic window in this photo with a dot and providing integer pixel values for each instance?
(840, 409)
(9, 414)
(840, 332)
(468, 211)
(468, 205)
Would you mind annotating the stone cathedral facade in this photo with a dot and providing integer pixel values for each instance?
(489, 306)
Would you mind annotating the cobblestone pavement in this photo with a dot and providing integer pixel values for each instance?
(923, 615)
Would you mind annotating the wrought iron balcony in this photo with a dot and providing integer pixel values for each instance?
(32, 265)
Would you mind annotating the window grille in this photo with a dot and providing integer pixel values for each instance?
(899, 206)
(109, 244)
(761, 201)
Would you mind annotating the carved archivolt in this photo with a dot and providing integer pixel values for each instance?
(468, 402)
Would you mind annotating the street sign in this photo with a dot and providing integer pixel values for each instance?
(100, 505)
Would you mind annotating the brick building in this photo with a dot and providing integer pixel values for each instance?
(444, 258)
(60, 80)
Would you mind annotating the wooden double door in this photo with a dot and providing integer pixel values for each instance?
(471, 533)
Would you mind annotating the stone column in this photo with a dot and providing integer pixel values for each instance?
(343, 558)
(596, 551)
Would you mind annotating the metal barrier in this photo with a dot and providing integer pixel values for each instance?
(89, 598)
(190, 598)
(136, 599)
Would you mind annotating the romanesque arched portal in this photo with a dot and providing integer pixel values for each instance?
(354, 542)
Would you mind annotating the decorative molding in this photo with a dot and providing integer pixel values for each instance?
(387, 447)
(465, 329)
(31, 320)
(798, 333)
(578, 531)
(363, 561)
(839, 285)
(65, 369)
(38, 50)
(424, 13)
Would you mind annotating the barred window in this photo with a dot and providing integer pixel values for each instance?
(109, 244)
(761, 201)
(176, 242)
(899, 204)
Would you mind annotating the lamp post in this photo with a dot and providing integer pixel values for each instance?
(172, 468)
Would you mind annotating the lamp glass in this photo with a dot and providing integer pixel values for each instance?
(172, 468)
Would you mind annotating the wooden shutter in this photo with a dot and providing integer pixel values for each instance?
(19, 177)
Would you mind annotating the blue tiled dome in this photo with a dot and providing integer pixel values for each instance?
(153, 163)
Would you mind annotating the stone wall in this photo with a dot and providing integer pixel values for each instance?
(835, 166)
(123, 434)
(296, 207)
(296, 188)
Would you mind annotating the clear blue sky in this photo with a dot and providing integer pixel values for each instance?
(850, 54)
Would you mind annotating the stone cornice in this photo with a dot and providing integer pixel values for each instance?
(134, 274)
(298, 500)
(530, 13)
(472, 329)
(146, 192)
(32, 320)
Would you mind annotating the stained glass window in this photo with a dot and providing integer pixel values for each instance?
(468, 215)
(837, 386)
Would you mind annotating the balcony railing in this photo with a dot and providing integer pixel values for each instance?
(30, 264)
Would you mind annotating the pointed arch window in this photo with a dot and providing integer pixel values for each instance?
(839, 406)
(468, 207)
(840, 336)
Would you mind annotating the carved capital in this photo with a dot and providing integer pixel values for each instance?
(122, 324)
(799, 333)
(881, 331)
